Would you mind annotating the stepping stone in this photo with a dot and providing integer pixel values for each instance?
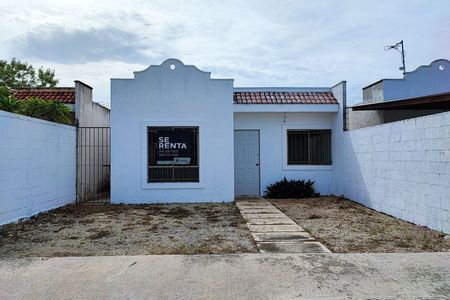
(252, 202)
(273, 228)
(259, 211)
(254, 205)
(276, 221)
(283, 247)
(263, 216)
(282, 237)
(259, 208)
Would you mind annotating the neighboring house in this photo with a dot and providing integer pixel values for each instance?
(179, 136)
(85, 112)
(422, 92)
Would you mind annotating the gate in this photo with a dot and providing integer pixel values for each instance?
(93, 164)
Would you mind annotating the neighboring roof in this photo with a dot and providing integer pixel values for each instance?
(61, 94)
(437, 101)
(423, 68)
(285, 96)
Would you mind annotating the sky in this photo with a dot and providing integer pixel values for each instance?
(258, 43)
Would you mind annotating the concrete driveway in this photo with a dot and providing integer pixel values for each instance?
(243, 276)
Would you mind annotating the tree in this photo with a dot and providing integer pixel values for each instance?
(17, 74)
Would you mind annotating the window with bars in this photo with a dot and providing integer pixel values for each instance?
(173, 154)
(309, 147)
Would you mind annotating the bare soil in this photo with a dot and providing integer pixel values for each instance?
(345, 226)
(84, 230)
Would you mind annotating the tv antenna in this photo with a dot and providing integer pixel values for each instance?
(402, 52)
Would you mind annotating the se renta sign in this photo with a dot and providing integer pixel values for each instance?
(173, 147)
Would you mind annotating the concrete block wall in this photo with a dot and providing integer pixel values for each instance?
(402, 169)
(37, 166)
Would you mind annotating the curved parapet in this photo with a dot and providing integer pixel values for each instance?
(171, 64)
(425, 80)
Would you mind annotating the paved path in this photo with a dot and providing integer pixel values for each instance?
(243, 276)
(275, 232)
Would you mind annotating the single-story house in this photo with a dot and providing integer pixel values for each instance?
(85, 112)
(177, 135)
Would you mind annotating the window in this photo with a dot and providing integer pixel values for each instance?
(309, 147)
(173, 154)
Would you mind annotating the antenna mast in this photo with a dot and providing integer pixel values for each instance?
(402, 52)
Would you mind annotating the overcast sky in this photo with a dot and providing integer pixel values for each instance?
(258, 43)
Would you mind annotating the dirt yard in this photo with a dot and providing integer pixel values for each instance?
(345, 226)
(83, 230)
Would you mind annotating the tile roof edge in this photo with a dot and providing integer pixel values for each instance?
(44, 88)
(281, 89)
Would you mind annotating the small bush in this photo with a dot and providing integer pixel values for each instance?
(290, 189)
(10, 104)
(49, 110)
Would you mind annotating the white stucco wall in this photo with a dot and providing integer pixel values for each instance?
(160, 96)
(273, 151)
(402, 169)
(87, 112)
(37, 166)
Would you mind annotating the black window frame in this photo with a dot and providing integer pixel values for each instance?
(296, 159)
(172, 173)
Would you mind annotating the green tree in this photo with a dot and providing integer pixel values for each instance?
(17, 74)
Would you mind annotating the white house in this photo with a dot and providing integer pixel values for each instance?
(179, 136)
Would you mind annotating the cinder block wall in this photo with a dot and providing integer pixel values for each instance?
(402, 169)
(37, 166)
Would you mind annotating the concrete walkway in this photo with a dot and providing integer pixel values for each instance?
(243, 276)
(273, 231)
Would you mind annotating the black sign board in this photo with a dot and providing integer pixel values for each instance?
(173, 147)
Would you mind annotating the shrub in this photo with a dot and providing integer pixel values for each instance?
(10, 104)
(49, 110)
(290, 189)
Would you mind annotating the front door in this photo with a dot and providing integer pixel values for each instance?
(246, 162)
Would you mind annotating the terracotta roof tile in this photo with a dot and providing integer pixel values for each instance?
(64, 95)
(284, 98)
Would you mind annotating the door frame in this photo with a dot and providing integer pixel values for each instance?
(259, 159)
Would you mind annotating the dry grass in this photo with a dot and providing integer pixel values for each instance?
(80, 230)
(345, 226)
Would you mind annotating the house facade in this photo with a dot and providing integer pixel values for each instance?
(177, 135)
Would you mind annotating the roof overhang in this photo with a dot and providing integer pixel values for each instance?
(285, 107)
(438, 101)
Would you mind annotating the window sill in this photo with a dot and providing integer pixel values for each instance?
(307, 167)
(172, 185)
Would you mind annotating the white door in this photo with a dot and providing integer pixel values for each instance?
(246, 162)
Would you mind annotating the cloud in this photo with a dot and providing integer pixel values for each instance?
(258, 43)
(82, 46)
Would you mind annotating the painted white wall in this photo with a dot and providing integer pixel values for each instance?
(340, 93)
(87, 112)
(402, 169)
(37, 166)
(273, 143)
(160, 96)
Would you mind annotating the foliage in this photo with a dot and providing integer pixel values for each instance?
(35, 108)
(58, 112)
(49, 110)
(4, 92)
(17, 74)
(10, 104)
(290, 189)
